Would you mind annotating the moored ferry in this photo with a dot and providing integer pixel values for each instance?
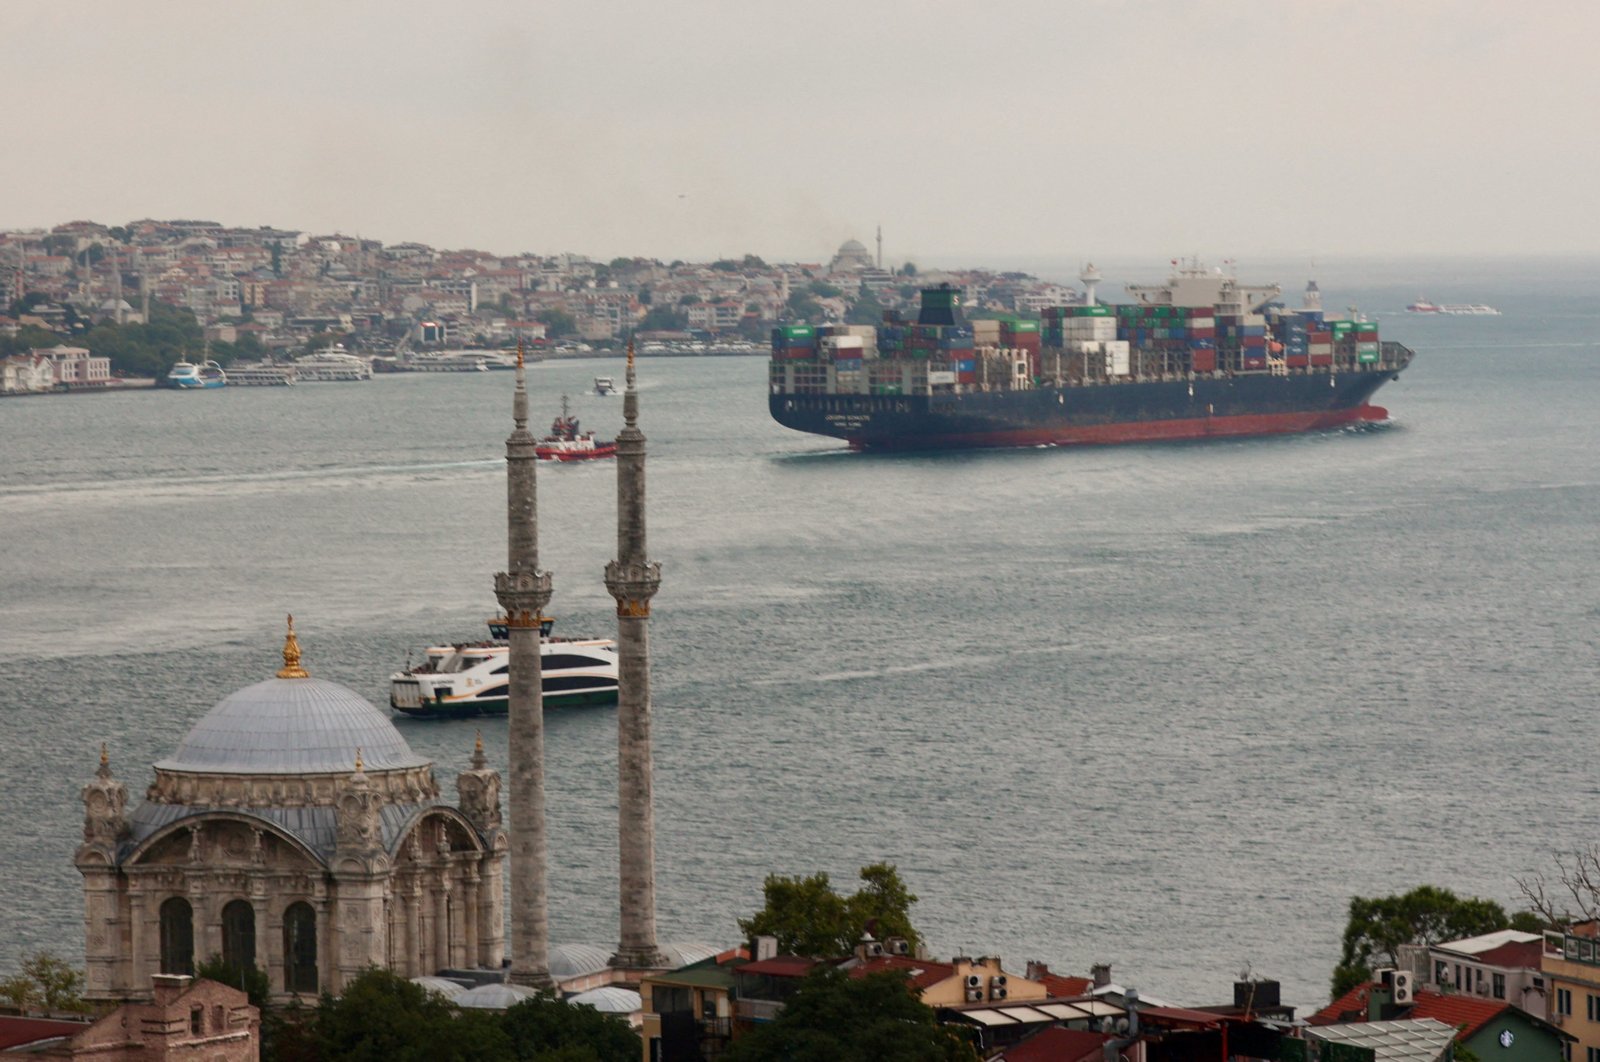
(187, 376)
(1200, 356)
(473, 678)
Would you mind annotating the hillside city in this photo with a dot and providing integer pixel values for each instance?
(270, 292)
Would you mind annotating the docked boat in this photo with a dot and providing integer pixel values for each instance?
(263, 374)
(605, 385)
(185, 375)
(472, 678)
(568, 442)
(334, 365)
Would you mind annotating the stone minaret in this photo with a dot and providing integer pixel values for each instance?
(633, 580)
(523, 592)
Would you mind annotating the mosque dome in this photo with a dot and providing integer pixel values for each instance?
(292, 726)
(850, 247)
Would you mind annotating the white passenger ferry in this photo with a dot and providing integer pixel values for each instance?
(472, 678)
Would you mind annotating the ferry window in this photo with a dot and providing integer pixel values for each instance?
(578, 682)
(562, 661)
(503, 670)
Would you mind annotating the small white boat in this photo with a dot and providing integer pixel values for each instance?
(187, 376)
(605, 385)
(473, 678)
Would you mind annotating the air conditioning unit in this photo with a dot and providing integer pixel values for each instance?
(974, 995)
(974, 981)
(998, 979)
(1403, 992)
(997, 993)
(897, 946)
(874, 949)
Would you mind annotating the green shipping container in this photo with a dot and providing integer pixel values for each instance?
(1099, 309)
(1367, 357)
(798, 331)
(1020, 326)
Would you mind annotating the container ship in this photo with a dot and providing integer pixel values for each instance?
(1200, 356)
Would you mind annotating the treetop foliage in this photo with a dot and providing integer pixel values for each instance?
(46, 982)
(1379, 925)
(809, 918)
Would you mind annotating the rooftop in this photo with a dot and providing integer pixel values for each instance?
(1411, 1040)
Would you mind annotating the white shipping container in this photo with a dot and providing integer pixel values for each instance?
(843, 343)
(1117, 361)
(1090, 328)
(941, 377)
(1202, 322)
(1254, 319)
(1084, 346)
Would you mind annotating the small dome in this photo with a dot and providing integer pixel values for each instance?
(292, 726)
(578, 960)
(494, 996)
(687, 953)
(608, 1000)
(852, 247)
(440, 986)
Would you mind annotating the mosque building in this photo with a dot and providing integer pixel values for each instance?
(293, 830)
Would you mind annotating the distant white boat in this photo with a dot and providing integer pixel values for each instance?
(1463, 309)
(334, 365)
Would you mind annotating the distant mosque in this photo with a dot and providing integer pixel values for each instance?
(294, 830)
(852, 257)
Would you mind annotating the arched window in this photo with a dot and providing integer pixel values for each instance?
(300, 948)
(239, 935)
(177, 937)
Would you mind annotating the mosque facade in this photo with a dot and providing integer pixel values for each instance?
(293, 830)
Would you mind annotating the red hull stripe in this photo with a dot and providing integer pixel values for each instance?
(1142, 431)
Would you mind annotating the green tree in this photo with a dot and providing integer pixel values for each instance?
(663, 319)
(909, 269)
(557, 323)
(824, 290)
(546, 1028)
(382, 1017)
(1379, 925)
(752, 261)
(803, 307)
(251, 980)
(838, 1018)
(809, 918)
(866, 310)
(29, 337)
(47, 981)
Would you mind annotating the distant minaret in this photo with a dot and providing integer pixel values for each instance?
(116, 290)
(523, 592)
(633, 580)
(144, 288)
(1313, 299)
(880, 246)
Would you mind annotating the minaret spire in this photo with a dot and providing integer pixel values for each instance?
(633, 580)
(523, 591)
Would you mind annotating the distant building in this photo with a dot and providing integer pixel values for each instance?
(1570, 964)
(76, 367)
(185, 1019)
(851, 257)
(1491, 1029)
(22, 374)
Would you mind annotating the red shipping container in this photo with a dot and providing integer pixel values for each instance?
(1367, 337)
(1255, 361)
(1319, 337)
(1297, 361)
(1204, 360)
(1322, 359)
(1202, 333)
(1253, 341)
(966, 377)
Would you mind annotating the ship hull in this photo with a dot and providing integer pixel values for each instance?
(1209, 407)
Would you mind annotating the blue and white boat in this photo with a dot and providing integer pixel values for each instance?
(187, 376)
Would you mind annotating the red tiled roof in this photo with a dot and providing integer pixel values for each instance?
(924, 973)
(1179, 1016)
(1467, 1013)
(1056, 1044)
(780, 966)
(1068, 987)
(17, 1031)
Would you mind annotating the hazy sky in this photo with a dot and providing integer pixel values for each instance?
(698, 128)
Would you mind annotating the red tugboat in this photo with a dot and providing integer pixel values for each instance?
(567, 443)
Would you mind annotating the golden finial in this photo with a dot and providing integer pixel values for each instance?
(519, 352)
(105, 756)
(479, 749)
(479, 760)
(630, 353)
(358, 759)
(291, 656)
